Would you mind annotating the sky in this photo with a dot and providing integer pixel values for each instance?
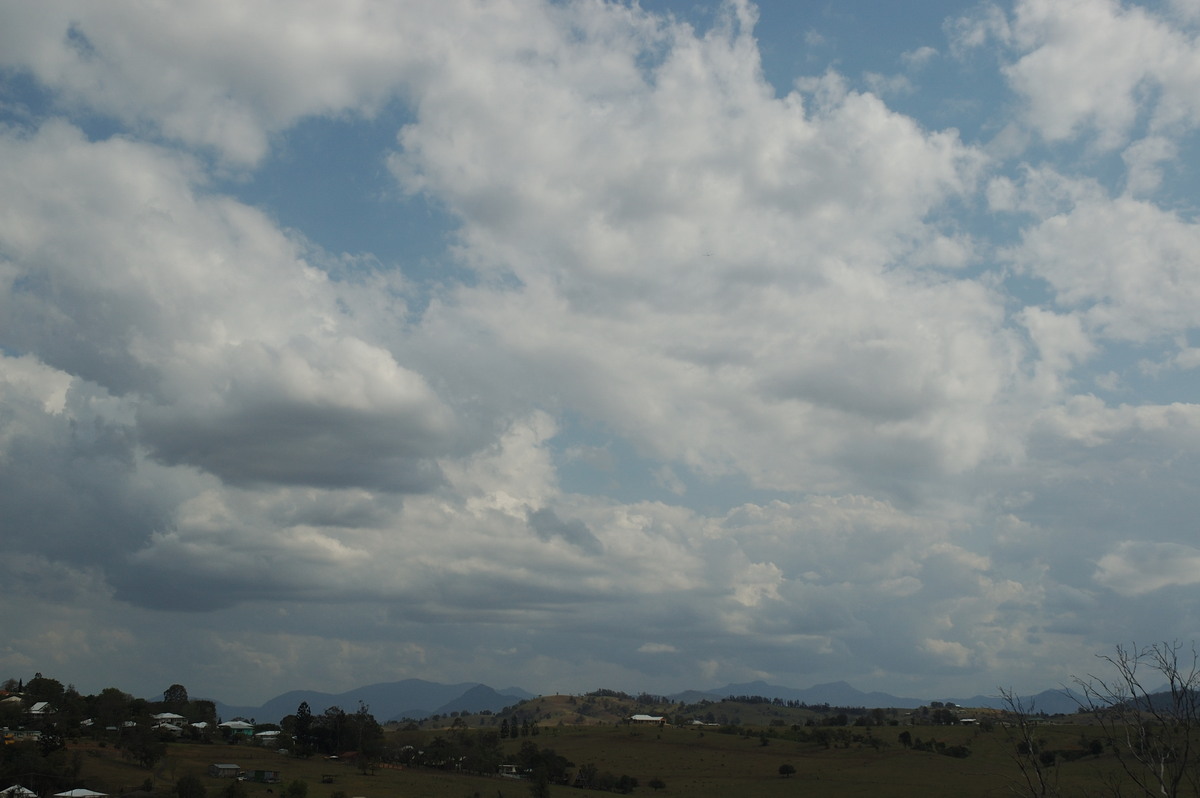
(583, 344)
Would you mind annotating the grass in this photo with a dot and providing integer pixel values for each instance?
(695, 762)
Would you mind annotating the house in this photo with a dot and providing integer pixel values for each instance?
(648, 719)
(224, 771)
(17, 791)
(41, 709)
(238, 727)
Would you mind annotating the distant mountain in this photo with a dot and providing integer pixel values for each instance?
(417, 698)
(478, 698)
(1063, 701)
(838, 694)
(387, 701)
(841, 694)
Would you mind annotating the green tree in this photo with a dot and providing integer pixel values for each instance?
(111, 707)
(40, 688)
(539, 786)
(656, 784)
(190, 786)
(176, 695)
(141, 744)
(787, 770)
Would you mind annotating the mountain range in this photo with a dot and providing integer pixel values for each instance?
(417, 699)
(387, 701)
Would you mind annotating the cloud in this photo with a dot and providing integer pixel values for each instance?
(233, 351)
(214, 76)
(848, 376)
(1123, 264)
(1094, 66)
(1135, 568)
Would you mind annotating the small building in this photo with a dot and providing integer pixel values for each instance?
(263, 776)
(224, 771)
(238, 727)
(648, 719)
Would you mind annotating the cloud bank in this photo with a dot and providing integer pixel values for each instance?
(708, 379)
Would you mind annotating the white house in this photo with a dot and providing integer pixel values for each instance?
(659, 719)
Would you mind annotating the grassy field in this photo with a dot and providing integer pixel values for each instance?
(694, 762)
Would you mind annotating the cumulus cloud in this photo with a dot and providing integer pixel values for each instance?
(231, 349)
(1093, 66)
(831, 364)
(1134, 568)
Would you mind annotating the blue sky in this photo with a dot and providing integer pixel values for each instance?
(586, 344)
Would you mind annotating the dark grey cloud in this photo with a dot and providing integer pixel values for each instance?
(296, 444)
(546, 523)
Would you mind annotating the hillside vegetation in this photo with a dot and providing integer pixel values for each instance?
(687, 761)
(563, 745)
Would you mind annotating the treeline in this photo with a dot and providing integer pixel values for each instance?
(640, 698)
(74, 714)
(41, 715)
(335, 732)
(482, 752)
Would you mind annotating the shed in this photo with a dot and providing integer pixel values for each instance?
(224, 771)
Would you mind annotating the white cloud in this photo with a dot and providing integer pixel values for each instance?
(1086, 63)
(657, 648)
(1127, 266)
(836, 401)
(1135, 568)
(918, 58)
(235, 349)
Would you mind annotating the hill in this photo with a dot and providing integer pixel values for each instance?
(418, 699)
(387, 701)
(833, 693)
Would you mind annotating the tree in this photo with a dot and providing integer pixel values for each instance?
(787, 770)
(301, 728)
(175, 695)
(540, 784)
(1039, 777)
(1154, 736)
(656, 784)
(190, 786)
(39, 688)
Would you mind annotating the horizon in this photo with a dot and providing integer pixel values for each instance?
(590, 342)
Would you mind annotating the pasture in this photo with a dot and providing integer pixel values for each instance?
(691, 761)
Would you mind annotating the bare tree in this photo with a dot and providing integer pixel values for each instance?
(1040, 779)
(1149, 713)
